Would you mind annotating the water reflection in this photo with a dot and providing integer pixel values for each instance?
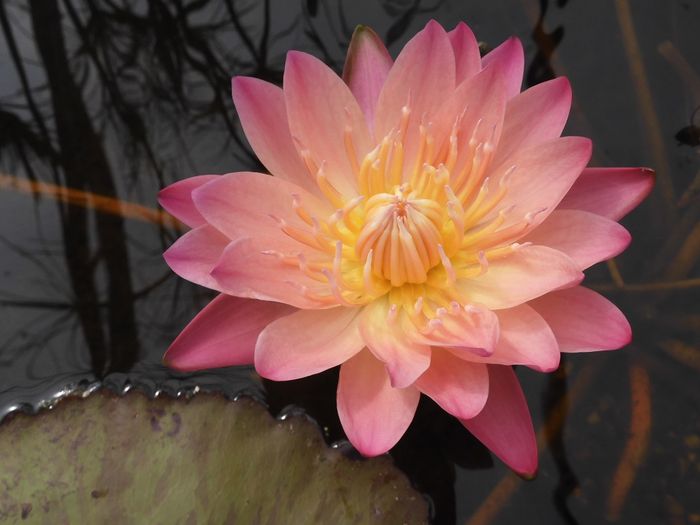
(104, 102)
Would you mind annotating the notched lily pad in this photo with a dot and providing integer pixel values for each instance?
(111, 459)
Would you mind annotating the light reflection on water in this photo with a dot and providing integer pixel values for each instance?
(119, 100)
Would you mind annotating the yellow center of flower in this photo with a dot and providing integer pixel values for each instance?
(402, 235)
(417, 226)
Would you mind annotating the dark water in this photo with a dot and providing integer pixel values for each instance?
(119, 98)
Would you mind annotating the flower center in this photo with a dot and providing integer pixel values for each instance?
(401, 234)
(418, 223)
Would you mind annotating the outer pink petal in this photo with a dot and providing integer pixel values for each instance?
(583, 321)
(466, 49)
(534, 116)
(458, 386)
(526, 339)
(422, 76)
(246, 270)
(177, 199)
(223, 333)
(462, 327)
(320, 107)
(307, 342)
(585, 237)
(405, 359)
(195, 254)
(504, 425)
(509, 58)
(527, 273)
(263, 115)
(610, 192)
(247, 204)
(366, 67)
(539, 177)
(374, 414)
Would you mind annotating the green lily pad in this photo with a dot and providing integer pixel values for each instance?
(111, 459)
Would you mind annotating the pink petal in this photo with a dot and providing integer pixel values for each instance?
(527, 273)
(374, 414)
(263, 113)
(508, 58)
(583, 321)
(195, 254)
(405, 360)
(177, 199)
(585, 237)
(223, 333)
(307, 342)
(469, 327)
(458, 386)
(320, 107)
(247, 269)
(422, 76)
(366, 67)
(539, 178)
(479, 105)
(247, 204)
(504, 425)
(526, 339)
(534, 116)
(610, 192)
(466, 49)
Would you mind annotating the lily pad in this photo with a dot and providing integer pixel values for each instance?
(131, 459)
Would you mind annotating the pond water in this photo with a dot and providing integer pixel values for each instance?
(104, 102)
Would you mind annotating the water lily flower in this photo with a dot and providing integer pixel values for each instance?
(426, 227)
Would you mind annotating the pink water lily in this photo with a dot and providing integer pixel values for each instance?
(425, 228)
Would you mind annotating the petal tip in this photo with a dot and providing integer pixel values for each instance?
(370, 449)
(650, 174)
(294, 59)
(529, 473)
(626, 335)
(164, 196)
(241, 83)
(434, 25)
(180, 363)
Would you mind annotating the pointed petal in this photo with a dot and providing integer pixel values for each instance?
(223, 333)
(504, 425)
(366, 67)
(540, 177)
(263, 113)
(195, 254)
(466, 49)
(320, 107)
(247, 269)
(534, 116)
(405, 360)
(509, 59)
(422, 76)
(583, 320)
(610, 192)
(458, 386)
(527, 273)
(585, 237)
(177, 199)
(247, 204)
(479, 103)
(307, 342)
(526, 339)
(374, 415)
